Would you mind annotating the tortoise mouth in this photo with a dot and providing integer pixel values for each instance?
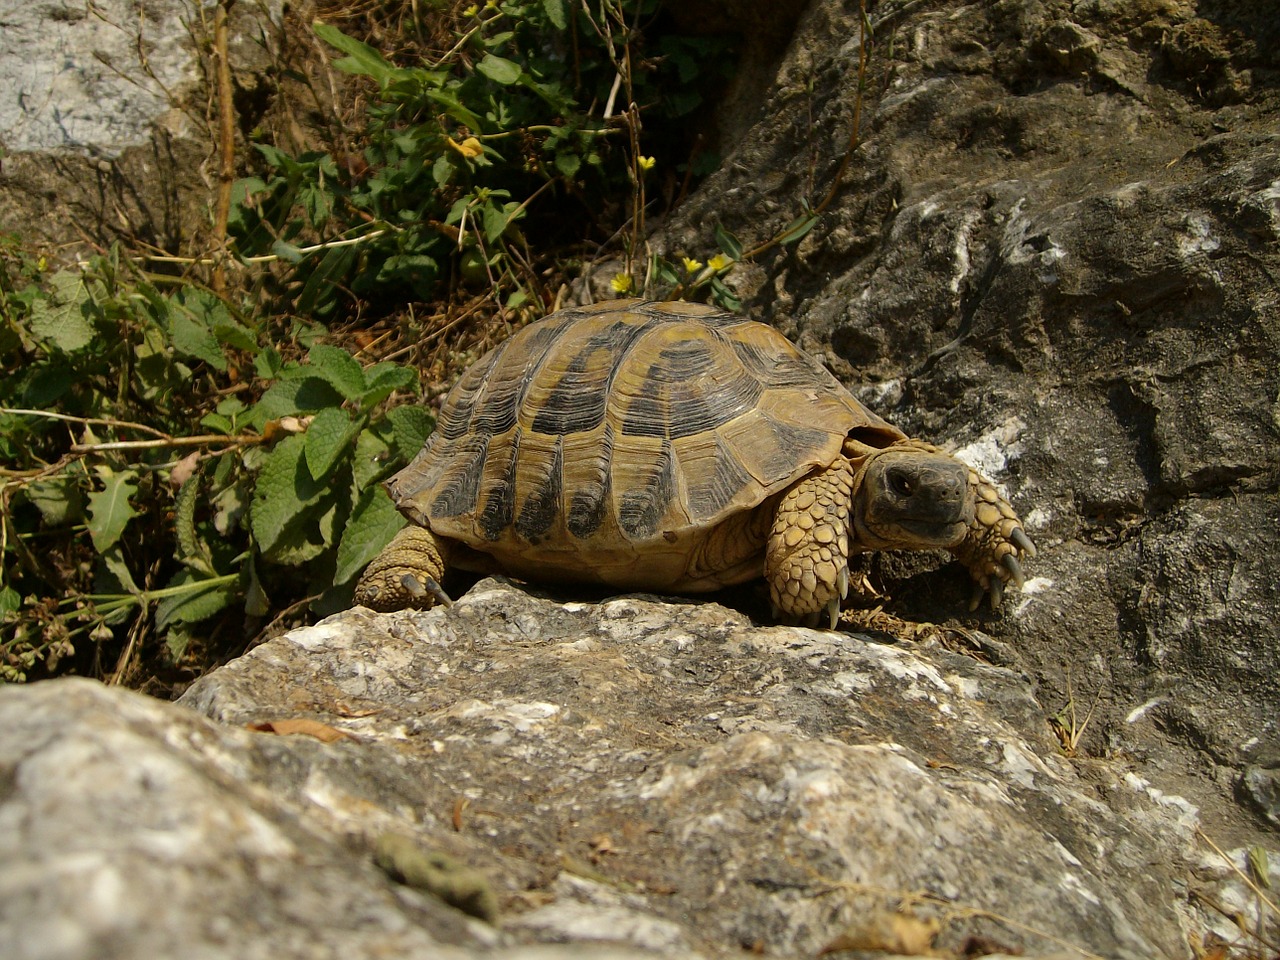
(915, 499)
(929, 531)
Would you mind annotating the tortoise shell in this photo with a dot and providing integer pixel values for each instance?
(602, 443)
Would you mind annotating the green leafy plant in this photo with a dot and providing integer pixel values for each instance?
(187, 466)
(532, 113)
(193, 498)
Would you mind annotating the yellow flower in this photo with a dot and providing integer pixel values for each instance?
(719, 262)
(471, 11)
(645, 163)
(622, 283)
(469, 148)
(691, 265)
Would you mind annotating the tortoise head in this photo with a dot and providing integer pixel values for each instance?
(911, 499)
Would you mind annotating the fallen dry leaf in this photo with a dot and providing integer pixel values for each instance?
(309, 728)
(904, 934)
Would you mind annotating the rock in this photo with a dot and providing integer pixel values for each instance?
(661, 779)
(92, 95)
(1055, 249)
(102, 116)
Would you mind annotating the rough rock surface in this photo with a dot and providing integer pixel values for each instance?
(1056, 250)
(656, 777)
(103, 124)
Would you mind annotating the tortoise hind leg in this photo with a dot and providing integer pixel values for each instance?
(807, 556)
(406, 573)
(995, 545)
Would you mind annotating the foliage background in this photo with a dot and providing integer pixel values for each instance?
(193, 441)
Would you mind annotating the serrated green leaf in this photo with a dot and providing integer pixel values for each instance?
(193, 338)
(198, 599)
(292, 515)
(410, 425)
(361, 59)
(59, 499)
(235, 335)
(10, 601)
(327, 438)
(385, 379)
(110, 510)
(184, 518)
(268, 363)
(568, 164)
(61, 319)
(113, 576)
(176, 640)
(338, 368)
(369, 462)
(216, 421)
(499, 69)
(285, 488)
(373, 523)
(556, 13)
(288, 398)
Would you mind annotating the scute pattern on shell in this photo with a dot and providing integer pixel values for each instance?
(629, 428)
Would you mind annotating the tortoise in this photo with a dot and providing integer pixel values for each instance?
(675, 448)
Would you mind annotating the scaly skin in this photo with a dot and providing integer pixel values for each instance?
(995, 544)
(807, 556)
(850, 508)
(406, 573)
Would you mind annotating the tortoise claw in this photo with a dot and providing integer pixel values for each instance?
(842, 584)
(1011, 564)
(1023, 543)
(833, 612)
(997, 594)
(420, 587)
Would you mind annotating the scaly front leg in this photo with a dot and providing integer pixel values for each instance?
(406, 573)
(995, 545)
(807, 556)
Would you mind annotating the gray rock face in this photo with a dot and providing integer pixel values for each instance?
(1056, 250)
(73, 76)
(103, 120)
(634, 774)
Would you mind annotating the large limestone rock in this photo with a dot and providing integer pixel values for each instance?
(1055, 250)
(647, 777)
(106, 122)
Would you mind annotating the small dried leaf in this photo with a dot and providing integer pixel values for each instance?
(459, 808)
(310, 728)
(184, 468)
(904, 934)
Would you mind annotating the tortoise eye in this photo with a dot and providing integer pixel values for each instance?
(901, 484)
